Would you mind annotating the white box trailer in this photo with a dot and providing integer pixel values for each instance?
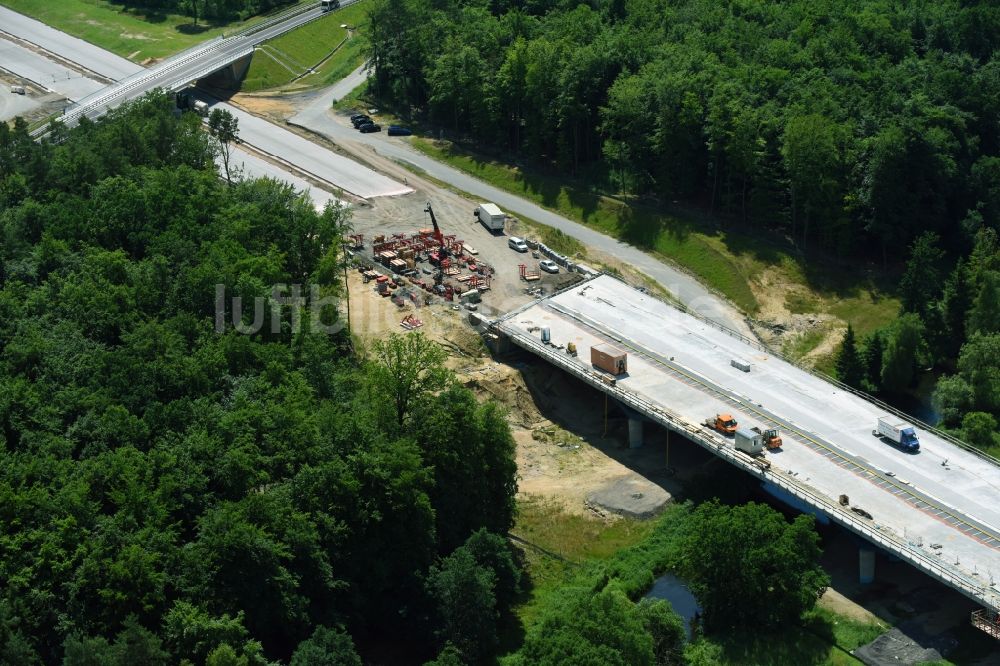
(897, 431)
(749, 441)
(491, 216)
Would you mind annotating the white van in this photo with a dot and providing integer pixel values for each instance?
(516, 243)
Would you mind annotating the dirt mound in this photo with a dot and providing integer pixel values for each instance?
(899, 648)
(630, 496)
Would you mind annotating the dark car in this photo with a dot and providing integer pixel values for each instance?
(399, 130)
(369, 128)
(360, 120)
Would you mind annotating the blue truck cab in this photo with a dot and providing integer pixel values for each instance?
(900, 433)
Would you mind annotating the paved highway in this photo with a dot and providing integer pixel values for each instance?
(324, 165)
(102, 62)
(939, 504)
(45, 73)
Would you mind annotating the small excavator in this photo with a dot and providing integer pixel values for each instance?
(442, 252)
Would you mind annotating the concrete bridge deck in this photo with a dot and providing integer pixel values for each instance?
(937, 509)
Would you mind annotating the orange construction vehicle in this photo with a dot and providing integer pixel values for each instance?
(724, 423)
(772, 438)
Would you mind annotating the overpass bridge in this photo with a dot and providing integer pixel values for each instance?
(230, 53)
(937, 509)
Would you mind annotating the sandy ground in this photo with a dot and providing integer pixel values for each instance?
(565, 450)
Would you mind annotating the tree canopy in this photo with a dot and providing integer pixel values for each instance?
(859, 126)
(748, 566)
(176, 489)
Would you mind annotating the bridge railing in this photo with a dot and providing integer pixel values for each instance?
(723, 448)
(757, 344)
(283, 15)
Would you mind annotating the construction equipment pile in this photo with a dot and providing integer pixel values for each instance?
(401, 255)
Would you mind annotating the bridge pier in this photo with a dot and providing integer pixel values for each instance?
(230, 77)
(634, 433)
(866, 564)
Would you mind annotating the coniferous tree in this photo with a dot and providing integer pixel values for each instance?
(850, 368)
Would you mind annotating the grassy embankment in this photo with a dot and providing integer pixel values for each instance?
(574, 551)
(734, 263)
(134, 34)
(322, 45)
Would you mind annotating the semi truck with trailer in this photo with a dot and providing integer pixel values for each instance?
(898, 432)
(491, 216)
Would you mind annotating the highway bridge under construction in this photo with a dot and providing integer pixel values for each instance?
(937, 508)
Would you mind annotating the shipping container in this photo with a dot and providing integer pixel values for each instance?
(609, 359)
(740, 364)
(749, 441)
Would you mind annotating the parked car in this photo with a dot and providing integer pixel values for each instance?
(369, 128)
(399, 130)
(359, 120)
(518, 244)
(548, 266)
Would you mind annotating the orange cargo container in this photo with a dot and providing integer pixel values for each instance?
(609, 359)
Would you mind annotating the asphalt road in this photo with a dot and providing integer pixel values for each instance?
(320, 118)
(325, 165)
(254, 166)
(95, 58)
(50, 75)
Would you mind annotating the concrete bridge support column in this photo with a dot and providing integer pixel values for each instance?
(231, 76)
(866, 564)
(635, 433)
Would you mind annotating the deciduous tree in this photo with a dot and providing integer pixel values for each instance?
(747, 566)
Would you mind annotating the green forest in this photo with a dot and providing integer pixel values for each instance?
(186, 478)
(864, 130)
(171, 492)
(853, 125)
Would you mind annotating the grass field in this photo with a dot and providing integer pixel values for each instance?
(133, 34)
(281, 60)
(725, 260)
(822, 639)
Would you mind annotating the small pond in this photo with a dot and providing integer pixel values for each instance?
(673, 590)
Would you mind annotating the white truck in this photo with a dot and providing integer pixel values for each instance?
(897, 431)
(200, 107)
(749, 442)
(491, 216)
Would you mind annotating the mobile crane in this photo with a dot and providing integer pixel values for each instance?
(442, 249)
